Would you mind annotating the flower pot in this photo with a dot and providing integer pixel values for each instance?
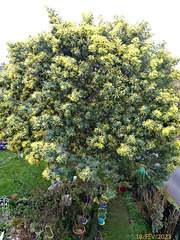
(49, 232)
(122, 189)
(79, 230)
(103, 204)
(101, 219)
(102, 210)
(82, 220)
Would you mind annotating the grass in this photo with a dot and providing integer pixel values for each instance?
(117, 220)
(171, 200)
(17, 175)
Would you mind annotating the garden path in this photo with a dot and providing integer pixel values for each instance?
(117, 220)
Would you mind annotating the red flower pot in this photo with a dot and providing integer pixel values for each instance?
(79, 230)
(122, 189)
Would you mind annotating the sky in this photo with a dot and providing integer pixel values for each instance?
(21, 18)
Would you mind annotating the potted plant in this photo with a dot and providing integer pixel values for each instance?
(101, 219)
(82, 220)
(103, 204)
(79, 231)
(102, 211)
(122, 187)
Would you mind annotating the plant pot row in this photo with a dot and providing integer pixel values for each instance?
(79, 230)
(102, 211)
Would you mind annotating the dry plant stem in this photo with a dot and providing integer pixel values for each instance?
(96, 238)
(74, 223)
(171, 221)
(158, 197)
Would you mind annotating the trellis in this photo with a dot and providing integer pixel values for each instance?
(4, 208)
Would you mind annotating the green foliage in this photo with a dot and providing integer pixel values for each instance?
(156, 201)
(88, 227)
(3, 226)
(40, 212)
(90, 209)
(102, 92)
(94, 227)
(140, 225)
(6, 227)
(157, 217)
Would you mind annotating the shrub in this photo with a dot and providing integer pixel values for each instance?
(157, 217)
(140, 225)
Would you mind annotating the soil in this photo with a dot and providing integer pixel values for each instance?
(139, 207)
(82, 220)
(101, 216)
(103, 203)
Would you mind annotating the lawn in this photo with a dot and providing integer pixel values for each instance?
(18, 176)
(117, 221)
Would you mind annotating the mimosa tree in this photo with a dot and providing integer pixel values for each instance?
(91, 100)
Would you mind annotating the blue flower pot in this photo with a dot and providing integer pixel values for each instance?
(101, 221)
(82, 222)
(103, 206)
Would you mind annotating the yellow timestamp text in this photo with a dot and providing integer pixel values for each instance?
(153, 236)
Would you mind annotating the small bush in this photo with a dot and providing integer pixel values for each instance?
(140, 225)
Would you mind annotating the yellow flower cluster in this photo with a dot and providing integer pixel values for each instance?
(85, 174)
(171, 113)
(75, 95)
(149, 124)
(168, 131)
(124, 150)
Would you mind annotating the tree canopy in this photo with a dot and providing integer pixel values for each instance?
(91, 99)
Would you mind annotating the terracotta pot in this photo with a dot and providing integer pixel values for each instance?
(79, 230)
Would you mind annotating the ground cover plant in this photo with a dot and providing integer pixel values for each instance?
(139, 224)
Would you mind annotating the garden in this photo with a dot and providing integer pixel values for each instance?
(89, 131)
(34, 208)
